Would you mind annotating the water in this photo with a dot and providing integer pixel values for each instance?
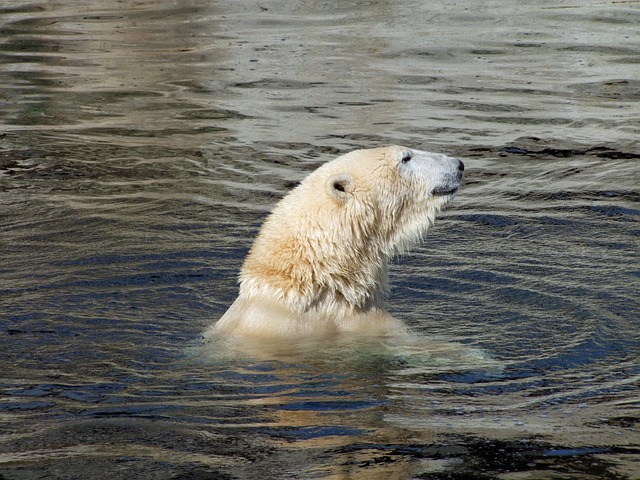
(143, 143)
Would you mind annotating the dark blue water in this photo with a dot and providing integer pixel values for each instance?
(142, 145)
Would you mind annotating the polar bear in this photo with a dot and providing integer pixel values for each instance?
(319, 264)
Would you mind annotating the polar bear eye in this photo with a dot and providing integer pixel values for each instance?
(338, 186)
(406, 156)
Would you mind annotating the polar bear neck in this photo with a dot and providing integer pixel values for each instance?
(310, 271)
(310, 261)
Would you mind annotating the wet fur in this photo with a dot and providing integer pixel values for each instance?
(319, 265)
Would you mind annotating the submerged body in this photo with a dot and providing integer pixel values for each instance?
(319, 263)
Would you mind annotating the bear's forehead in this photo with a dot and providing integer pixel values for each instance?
(380, 163)
(389, 154)
(377, 165)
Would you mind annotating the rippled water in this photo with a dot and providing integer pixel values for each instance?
(143, 143)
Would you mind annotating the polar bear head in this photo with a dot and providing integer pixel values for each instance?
(326, 245)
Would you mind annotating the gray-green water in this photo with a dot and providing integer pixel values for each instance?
(141, 145)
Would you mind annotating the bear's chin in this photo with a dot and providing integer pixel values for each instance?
(444, 191)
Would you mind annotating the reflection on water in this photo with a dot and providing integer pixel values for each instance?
(141, 146)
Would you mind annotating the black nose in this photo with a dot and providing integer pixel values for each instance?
(460, 166)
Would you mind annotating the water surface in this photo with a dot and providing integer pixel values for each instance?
(142, 145)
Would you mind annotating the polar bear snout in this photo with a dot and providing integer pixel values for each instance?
(451, 178)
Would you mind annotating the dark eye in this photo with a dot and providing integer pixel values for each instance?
(406, 156)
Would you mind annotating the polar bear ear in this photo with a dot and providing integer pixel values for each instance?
(340, 186)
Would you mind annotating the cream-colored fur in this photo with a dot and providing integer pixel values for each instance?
(319, 265)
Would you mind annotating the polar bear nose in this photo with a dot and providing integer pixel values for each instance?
(460, 166)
